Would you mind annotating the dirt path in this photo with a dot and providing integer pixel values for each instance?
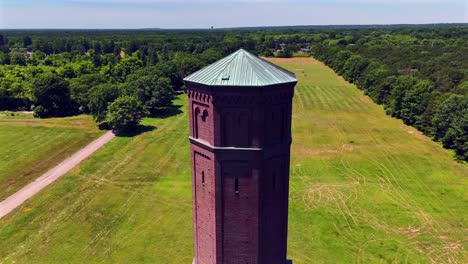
(15, 200)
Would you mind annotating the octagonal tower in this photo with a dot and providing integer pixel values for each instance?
(240, 135)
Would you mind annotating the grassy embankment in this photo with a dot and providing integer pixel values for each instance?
(30, 146)
(364, 188)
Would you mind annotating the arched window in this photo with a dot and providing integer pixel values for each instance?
(204, 115)
(203, 177)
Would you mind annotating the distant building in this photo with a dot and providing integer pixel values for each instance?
(240, 135)
(283, 45)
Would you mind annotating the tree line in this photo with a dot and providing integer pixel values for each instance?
(421, 80)
(417, 73)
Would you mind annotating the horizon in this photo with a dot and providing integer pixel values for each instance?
(225, 14)
(254, 27)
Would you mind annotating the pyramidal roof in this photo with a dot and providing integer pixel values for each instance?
(241, 68)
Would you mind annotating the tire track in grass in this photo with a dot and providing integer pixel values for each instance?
(65, 213)
(299, 171)
(299, 98)
(307, 96)
(342, 135)
(168, 156)
(332, 96)
(107, 229)
(342, 209)
(172, 126)
(321, 98)
(334, 93)
(25, 144)
(388, 173)
(329, 95)
(351, 97)
(314, 104)
(346, 99)
(330, 104)
(406, 198)
(312, 101)
(398, 162)
(426, 219)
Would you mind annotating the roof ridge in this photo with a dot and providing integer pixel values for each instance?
(233, 55)
(244, 69)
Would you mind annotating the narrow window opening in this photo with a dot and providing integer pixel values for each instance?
(203, 177)
(197, 113)
(236, 186)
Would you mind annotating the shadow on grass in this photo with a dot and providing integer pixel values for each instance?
(140, 129)
(167, 112)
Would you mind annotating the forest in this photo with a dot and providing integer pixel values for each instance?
(418, 73)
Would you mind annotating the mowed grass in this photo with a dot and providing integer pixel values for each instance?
(30, 146)
(364, 189)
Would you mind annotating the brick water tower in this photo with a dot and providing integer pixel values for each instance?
(240, 135)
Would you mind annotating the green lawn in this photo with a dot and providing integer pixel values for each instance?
(364, 189)
(29, 146)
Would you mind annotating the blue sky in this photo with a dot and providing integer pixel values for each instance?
(224, 13)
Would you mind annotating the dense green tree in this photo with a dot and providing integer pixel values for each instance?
(399, 88)
(17, 58)
(450, 107)
(99, 97)
(179, 67)
(212, 54)
(341, 57)
(27, 41)
(4, 58)
(80, 89)
(152, 57)
(457, 134)
(354, 67)
(415, 101)
(66, 71)
(52, 96)
(36, 57)
(127, 66)
(286, 52)
(108, 46)
(125, 113)
(152, 90)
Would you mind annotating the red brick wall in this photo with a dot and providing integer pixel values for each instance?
(240, 216)
(273, 211)
(204, 190)
(243, 222)
(236, 126)
(202, 121)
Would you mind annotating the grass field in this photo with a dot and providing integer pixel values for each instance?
(30, 146)
(364, 189)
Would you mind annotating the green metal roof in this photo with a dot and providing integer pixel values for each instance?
(241, 68)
